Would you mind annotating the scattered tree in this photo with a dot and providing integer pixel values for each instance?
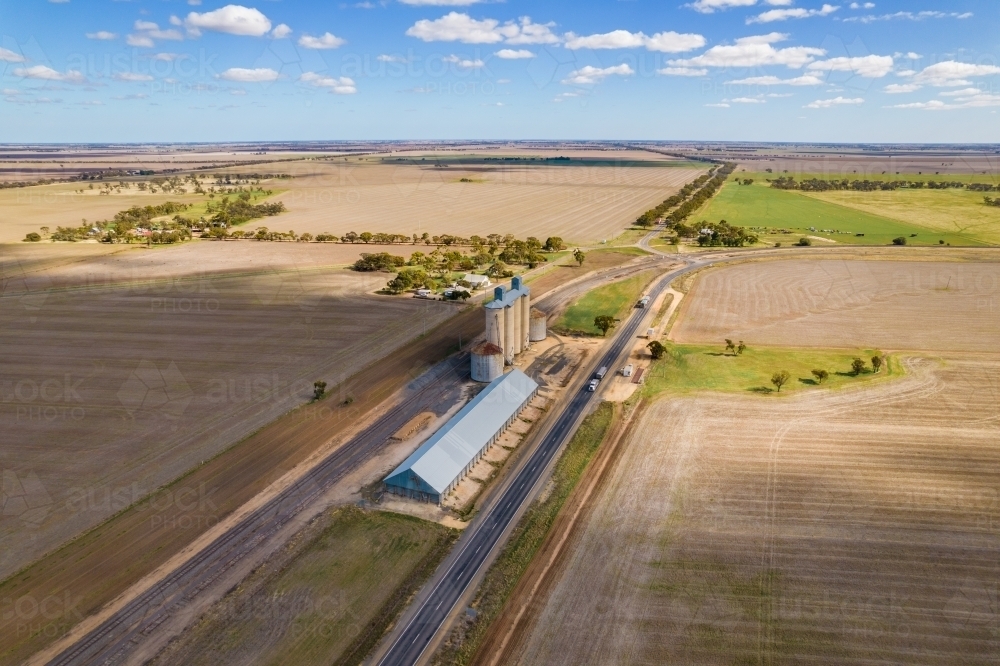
(730, 346)
(554, 244)
(32, 238)
(899, 240)
(804, 242)
(779, 379)
(857, 366)
(740, 348)
(579, 256)
(876, 363)
(319, 389)
(604, 323)
(656, 349)
(820, 375)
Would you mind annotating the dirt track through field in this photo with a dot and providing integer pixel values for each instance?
(938, 306)
(850, 527)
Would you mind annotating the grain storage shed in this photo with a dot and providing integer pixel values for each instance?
(436, 467)
(487, 362)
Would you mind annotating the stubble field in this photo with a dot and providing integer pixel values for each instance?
(851, 525)
(847, 527)
(122, 372)
(915, 305)
(581, 204)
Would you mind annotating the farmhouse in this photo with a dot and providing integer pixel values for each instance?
(437, 466)
(477, 281)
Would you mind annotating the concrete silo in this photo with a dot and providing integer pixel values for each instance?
(495, 320)
(487, 362)
(538, 325)
(509, 336)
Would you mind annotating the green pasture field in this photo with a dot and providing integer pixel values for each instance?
(770, 211)
(689, 368)
(615, 299)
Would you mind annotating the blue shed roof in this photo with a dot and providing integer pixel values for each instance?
(517, 289)
(444, 457)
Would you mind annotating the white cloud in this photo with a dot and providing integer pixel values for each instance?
(514, 54)
(281, 31)
(103, 35)
(589, 75)
(721, 105)
(951, 73)
(747, 100)
(464, 63)
(908, 16)
(682, 71)
(440, 3)
(259, 75)
(900, 88)
(231, 19)
(327, 41)
(806, 80)
(710, 6)
(337, 85)
(48, 74)
(780, 95)
(531, 33)
(773, 15)
(836, 101)
(965, 92)
(132, 76)
(141, 41)
(392, 58)
(755, 51)
(166, 57)
(869, 67)
(145, 25)
(457, 27)
(6, 55)
(666, 42)
(867, 5)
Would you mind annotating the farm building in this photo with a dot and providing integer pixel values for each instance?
(436, 467)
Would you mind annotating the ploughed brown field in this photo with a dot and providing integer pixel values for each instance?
(850, 303)
(124, 371)
(853, 526)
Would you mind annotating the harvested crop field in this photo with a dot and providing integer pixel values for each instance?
(849, 527)
(581, 204)
(113, 387)
(914, 305)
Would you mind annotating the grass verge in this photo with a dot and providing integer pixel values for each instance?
(327, 599)
(615, 299)
(686, 368)
(527, 538)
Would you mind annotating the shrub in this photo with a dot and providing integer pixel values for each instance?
(32, 238)
(899, 240)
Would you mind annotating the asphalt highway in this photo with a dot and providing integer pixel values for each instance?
(485, 533)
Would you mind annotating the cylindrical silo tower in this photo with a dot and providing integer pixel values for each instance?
(509, 337)
(514, 311)
(538, 325)
(487, 362)
(495, 324)
(525, 302)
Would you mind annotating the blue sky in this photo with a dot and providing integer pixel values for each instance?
(757, 70)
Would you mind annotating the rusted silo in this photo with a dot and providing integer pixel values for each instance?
(538, 325)
(495, 323)
(487, 362)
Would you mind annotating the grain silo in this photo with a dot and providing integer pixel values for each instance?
(495, 319)
(487, 362)
(538, 325)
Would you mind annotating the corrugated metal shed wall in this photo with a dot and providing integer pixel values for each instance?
(444, 458)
